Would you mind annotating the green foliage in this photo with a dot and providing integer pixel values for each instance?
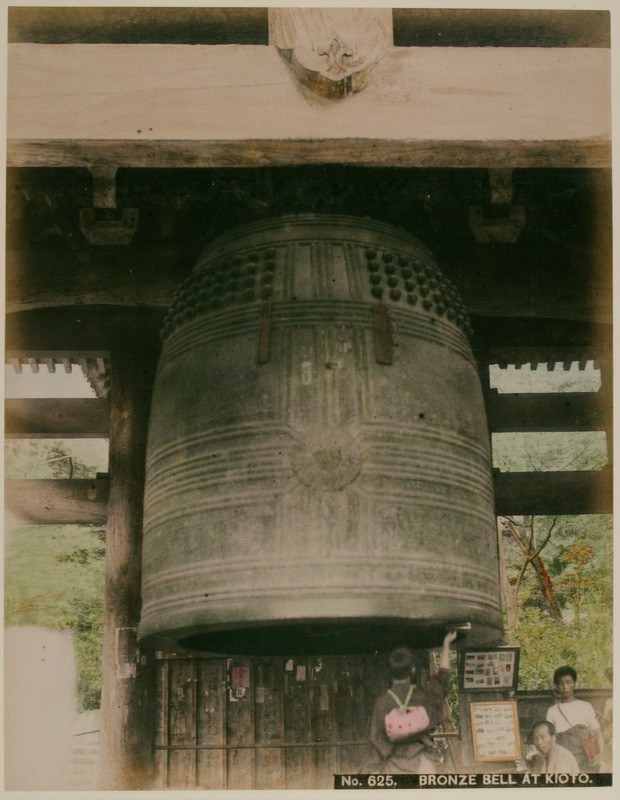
(54, 579)
(546, 644)
(82, 556)
(55, 574)
(86, 623)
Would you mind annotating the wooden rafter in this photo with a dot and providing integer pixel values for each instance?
(67, 418)
(542, 493)
(66, 502)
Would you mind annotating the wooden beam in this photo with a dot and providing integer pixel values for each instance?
(66, 418)
(597, 348)
(452, 27)
(85, 501)
(176, 105)
(515, 339)
(216, 25)
(202, 153)
(561, 411)
(61, 502)
(102, 327)
(551, 493)
(143, 275)
(91, 327)
(93, 24)
(146, 276)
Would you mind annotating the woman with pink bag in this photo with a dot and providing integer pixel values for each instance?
(403, 715)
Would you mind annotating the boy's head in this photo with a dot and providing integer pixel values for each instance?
(564, 680)
(401, 662)
(562, 671)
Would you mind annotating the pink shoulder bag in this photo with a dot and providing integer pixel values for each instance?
(405, 721)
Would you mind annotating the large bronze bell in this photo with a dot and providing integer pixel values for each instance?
(318, 469)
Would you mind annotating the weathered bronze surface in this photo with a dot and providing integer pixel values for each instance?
(318, 472)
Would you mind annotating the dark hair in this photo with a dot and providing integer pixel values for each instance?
(561, 671)
(401, 662)
(543, 723)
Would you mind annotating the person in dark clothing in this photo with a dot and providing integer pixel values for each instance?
(407, 755)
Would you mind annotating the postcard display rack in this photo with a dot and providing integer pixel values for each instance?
(490, 734)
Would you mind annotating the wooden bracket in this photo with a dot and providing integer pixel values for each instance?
(104, 223)
(501, 222)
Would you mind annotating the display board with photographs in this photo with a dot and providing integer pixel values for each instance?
(495, 731)
(482, 670)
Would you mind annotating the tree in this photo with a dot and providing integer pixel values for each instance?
(577, 578)
(524, 533)
(556, 572)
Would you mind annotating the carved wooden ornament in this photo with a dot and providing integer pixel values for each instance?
(331, 50)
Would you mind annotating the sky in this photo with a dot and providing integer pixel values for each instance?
(45, 383)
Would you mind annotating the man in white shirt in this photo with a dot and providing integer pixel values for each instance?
(575, 720)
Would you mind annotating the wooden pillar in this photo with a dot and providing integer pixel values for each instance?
(606, 392)
(128, 677)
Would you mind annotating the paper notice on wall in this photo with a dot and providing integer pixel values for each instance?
(240, 677)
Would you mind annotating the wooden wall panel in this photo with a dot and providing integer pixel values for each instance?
(269, 724)
(161, 724)
(182, 725)
(325, 723)
(300, 721)
(240, 734)
(352, 722)
(297, 725)
(210, 723)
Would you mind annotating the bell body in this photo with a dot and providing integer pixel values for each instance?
(318, 469)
